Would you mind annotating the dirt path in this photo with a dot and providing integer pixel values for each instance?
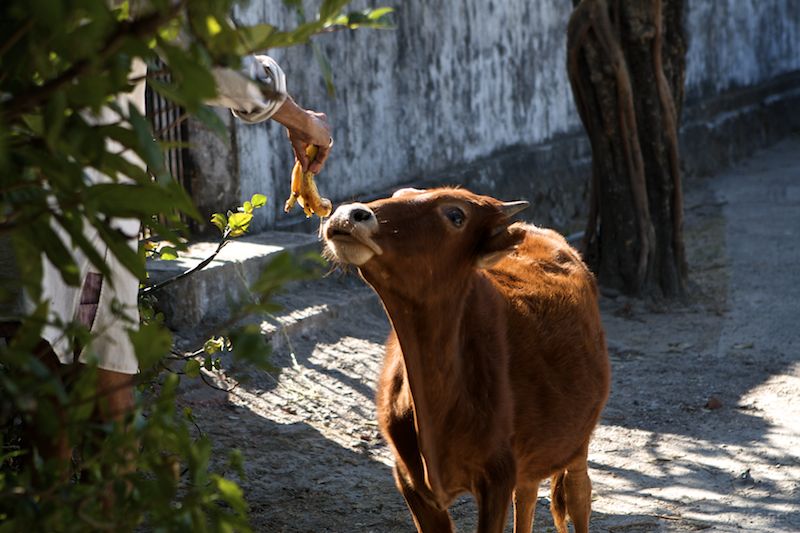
(702, 431)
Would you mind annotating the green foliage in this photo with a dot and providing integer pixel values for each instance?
(247, 342)
(68, 168)
(237, 224)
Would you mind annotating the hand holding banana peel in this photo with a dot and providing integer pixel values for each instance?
(304, 191)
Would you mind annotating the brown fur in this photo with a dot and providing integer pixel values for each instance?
(494, 379)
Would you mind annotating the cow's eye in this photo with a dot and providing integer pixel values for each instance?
(456, 216)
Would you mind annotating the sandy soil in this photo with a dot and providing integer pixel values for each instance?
(702, 431)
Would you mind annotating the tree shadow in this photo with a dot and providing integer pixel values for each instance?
(690, 368)
(669, 458)
(681, 495)
(298, 480)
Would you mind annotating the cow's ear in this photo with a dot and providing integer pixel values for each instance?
(502, 242)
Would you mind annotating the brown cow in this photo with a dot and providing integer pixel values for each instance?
(496, 369)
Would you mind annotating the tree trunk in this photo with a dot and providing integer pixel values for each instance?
(626, 64)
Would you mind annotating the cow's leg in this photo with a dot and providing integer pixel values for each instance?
(410, 472)
(525, 495)
(494, 493)
(578, 493)
(571, 494)
(427, 518)
(558, 506)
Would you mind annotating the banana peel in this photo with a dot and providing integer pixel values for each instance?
(304, 190)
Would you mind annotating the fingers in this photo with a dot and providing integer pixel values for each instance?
(322, 138)
(299, 148)
(322, 156)
(315, 130)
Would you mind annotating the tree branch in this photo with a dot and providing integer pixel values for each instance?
(139, 28)
(16, 36)
(204, 263)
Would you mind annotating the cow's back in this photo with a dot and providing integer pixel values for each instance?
(559, 366)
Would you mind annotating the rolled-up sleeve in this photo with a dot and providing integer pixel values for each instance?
(253, 94)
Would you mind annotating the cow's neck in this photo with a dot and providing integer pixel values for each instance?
(434, 334)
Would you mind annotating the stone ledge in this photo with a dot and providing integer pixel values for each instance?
(204, 298)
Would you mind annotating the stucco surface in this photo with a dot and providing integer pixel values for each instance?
(459, 81)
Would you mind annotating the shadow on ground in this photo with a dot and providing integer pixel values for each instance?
(701, 431)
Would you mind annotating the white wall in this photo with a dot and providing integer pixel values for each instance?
(734, 43)
(459, 80)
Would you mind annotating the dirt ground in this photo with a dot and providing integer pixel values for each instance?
(702, 430)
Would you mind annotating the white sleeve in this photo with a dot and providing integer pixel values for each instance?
(255, 93)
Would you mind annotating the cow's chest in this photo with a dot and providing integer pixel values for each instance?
(461, 441)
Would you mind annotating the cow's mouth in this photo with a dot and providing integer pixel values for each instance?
(350, 243)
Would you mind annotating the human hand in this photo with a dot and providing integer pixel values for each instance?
(318, 133)
(306, 128)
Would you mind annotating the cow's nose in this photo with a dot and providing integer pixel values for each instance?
(360, 214)
(348, 217)
(355, 214)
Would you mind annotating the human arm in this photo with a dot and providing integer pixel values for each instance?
(258, 93)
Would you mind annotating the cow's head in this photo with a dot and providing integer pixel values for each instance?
(422, 237)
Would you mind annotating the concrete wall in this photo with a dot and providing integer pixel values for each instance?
(740, 43)
(460, 84)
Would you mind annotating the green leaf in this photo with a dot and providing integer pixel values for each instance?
(54, 117)
(151, 152)
(259, 308)
(368, 18)
(239, 222)
(278, 272)
(192, 368)
(56, 251)
(236, 462)
(193, 79)
(231, 493)
(74, 225)
(29, 262)
(172, 92)
(212, 121)
(117, 243)
(380, 12)
(299, 35)
(35, 123)
(214, 345)
(331, 8)
(220, 221)
(253, 38)
(152, 342)
(134, 200)
(212, 26)
(168, 253)
(325, 66)
(249, 345)
(29, 333)
(258, 200)
(117, 166)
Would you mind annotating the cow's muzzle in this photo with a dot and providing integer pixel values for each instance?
(350, 233)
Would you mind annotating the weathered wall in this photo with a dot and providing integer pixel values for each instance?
(457, 82)
(739, 43)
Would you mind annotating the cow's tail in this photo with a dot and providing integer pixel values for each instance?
(558, 501)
